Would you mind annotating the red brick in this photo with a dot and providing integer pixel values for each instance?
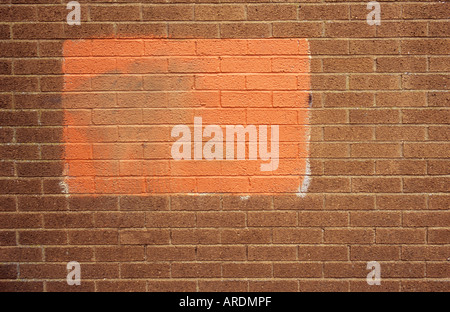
(348, 133)
(435, 218)
(153, 203)
(246, 236)
(8, 271)
(172, 285)
(193, 30)
(218, 12)
(223, 286)
(43, 271)
(8, 238)
(195, 236)
(269, 12)
(93, 237)
(349, 236)
(144, 237)
(425, 10)
(285, 218)
(100, 270)
(327, 47)
(427, 253)
(170, 219)
(425, 82)
(400, 167)
(273, 286)
(425, 150)
(17, 118)
(63, 220)
(119, 220)
(375, 150)
(148, 270)
(121, 286)
(20, 254)
(40, 169)
(67, 254)
(327, 116)
(374, 47)
(21, 286)
(20, 221)
(7, 203)
(347, 29)
(349, 202)
(386, 286)
(86, 203)
(348, 167)
(120, 253)
(438, 133)
(369, 253)
(375, 218)
(438, 98)
(438, 236)
(323, 253)
(244, 30)
(328, 11)
(425, 286)
(400, 133)
(167, 12)
(36, 237)
(426, 184)
(424, 46)
(38, 30)
(18, 49)
(300, 270)
(296, 235)
(400, 236)
(322, 218)
(197, 270)
(438, 201)
(401, 202)
(272, 253)
(53, 286)
(401, 99)
(348, 65)
(21, 13)
(329, 82)
(401, 64)
(247, 270)
(383, 116)
(323, 285)
(329, 184)
(221, 253)
(220, 219)
(439, 270)
(115, 13)
(290, 202)
(172, 253)
(257, 202)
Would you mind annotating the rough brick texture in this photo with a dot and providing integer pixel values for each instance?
(378, 123)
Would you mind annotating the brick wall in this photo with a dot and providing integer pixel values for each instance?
(378, 153)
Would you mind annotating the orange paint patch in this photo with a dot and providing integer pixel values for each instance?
(123, 98)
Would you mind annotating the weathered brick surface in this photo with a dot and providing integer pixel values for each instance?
(378, 146)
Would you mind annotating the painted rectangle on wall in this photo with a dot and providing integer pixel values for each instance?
(146, 116)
